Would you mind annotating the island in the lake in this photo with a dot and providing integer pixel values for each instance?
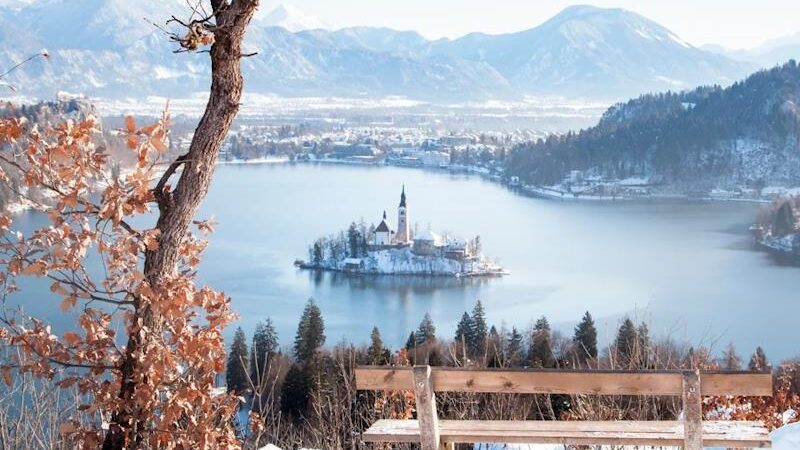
(381, 250)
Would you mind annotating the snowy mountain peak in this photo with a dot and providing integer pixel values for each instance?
(292, 19)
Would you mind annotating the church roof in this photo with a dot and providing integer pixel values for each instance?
(403, 197)
(383, 227)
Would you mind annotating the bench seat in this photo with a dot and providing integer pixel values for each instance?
(724, 434)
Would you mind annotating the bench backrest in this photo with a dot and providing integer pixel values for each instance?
(544, 381)
(691, 385)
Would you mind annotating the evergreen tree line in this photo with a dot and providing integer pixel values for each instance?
(474, 343)
(673, 137)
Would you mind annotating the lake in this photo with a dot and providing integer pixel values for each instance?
(688, 269)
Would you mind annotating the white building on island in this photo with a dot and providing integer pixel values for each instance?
(384, 236)
(426, 243)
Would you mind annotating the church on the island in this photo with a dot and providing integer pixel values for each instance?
(385, 236)
(426, 243)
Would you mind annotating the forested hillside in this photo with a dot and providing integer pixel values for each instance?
(743, 135)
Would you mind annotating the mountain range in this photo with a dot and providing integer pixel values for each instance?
(105, 48)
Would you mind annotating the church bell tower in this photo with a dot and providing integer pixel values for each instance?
(403, 236)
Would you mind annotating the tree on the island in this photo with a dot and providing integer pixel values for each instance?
(642, 345)
(353, 239)
(426, 333)
(625, 343)
(759, 361)
(585, 338)
(514, 355)
(144, 336)
(264, 346)
(540, 353)
(236, 368)
(377, 354)
(477, 336)
(310, 333)
(731, 359)
(318, 252)
(295, 392)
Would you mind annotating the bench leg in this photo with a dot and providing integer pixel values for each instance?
(692, 411)
(426, 409)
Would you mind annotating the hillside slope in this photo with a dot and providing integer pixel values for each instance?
(745, 135)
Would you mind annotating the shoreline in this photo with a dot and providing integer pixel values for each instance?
(366, 273)
(539, 192)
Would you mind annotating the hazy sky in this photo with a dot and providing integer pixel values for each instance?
(731, 23)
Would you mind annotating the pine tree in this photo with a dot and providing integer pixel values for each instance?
(411, 342)
(426, 331)
(236, 370)
(626, 343)
(295, 391)
(759, 362)
(464, 330)
(513, 350)
(541, 346)
(477, 338)
(264, 347)
(495, 347)
(377, 353)
(730, 359)
(310, 333)
(585, 338)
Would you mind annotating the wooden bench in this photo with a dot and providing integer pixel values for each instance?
(692, 433)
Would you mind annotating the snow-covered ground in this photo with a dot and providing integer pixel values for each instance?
(402, 261)
(784, 438)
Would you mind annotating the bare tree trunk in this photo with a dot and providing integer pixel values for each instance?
(178, 207)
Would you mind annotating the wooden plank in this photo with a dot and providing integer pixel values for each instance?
(692, 411)
(663, 433)
(564, 382)
(426, 408)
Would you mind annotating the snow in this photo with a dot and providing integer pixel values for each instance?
(784, 438)
(402, 261)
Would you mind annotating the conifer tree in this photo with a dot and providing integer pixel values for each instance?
(464, 330)
(541, 345)
(377, 353)
(514, 351)
(759, 362)
(264, 347)
(411, 342)
(626, 342)
(495, 347)
(585, 338)
(236, 369)
(310, 333)
(477, 338)
(295, 391)
(426, 331)
(730, 359)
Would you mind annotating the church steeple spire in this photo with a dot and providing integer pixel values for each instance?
(403, 233)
